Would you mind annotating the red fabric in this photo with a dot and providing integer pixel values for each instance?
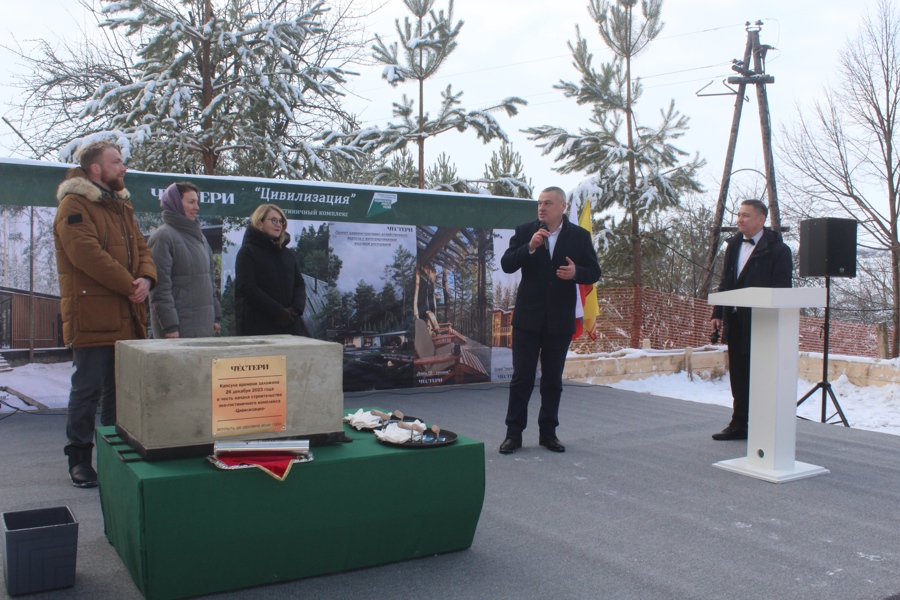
(579, 328)
(276, 465)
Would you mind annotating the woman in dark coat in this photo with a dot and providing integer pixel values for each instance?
(270, 293)
(184, 302)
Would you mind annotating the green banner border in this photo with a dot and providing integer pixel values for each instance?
(34, 183)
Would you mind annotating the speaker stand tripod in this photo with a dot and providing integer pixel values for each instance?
(824, 385)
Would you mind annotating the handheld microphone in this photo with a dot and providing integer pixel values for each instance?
(543, 226)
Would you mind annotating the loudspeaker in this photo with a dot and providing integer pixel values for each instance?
(828, 248)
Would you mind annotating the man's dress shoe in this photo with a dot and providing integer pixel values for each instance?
(551, 443)
(511, 444)
(732, 432)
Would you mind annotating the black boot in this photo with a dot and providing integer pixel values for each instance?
(80, 470)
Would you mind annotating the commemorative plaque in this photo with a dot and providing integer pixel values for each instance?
(249, 395)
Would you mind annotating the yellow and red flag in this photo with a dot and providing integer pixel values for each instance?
(587, 308)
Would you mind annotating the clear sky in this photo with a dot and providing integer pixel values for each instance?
(518, 48)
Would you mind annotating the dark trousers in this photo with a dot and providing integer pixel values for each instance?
(93, 382)
(738, 370)
(527, 348)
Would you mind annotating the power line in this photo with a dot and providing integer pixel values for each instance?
(516, 64)
(719, 64)
(649, 87)
(559, 56)
(494, 68)
(671, 83)
(668, 37)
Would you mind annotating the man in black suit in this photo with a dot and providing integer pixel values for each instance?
(756, 257)
(554, 255)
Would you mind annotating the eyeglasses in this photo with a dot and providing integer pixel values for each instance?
(276, 221)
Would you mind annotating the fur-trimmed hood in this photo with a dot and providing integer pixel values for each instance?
(78, 183)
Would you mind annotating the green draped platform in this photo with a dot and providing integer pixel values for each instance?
(184, 528)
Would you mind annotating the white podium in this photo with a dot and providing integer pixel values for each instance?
(774, 357)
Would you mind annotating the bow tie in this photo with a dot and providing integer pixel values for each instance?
(749, 241)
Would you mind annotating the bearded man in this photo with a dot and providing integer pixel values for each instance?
(105, 273)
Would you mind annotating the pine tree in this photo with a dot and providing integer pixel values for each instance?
(402, 273)
(315, 256)
(363, 169)
(399, 171)
(216, 86)
(227, 323)
(505, 174)
(364, 309)
(443, 176)
(614, 237)
(332, 309)
(426, 39)
(631, 166)
(389, 306)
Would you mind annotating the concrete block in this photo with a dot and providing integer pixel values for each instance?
(164, 393)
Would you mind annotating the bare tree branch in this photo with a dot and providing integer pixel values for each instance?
(844, 157)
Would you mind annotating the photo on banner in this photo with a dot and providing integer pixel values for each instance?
(506, 285)
(24, 228)
(453, 293)
(369, 310)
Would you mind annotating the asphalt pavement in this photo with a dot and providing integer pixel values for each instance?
(633, 509)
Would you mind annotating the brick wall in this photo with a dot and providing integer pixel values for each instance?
(673, 321)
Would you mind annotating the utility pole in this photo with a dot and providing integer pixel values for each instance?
(757, 77)
(765, 122)
(716, 233)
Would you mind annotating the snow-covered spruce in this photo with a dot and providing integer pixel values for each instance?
(238, 86)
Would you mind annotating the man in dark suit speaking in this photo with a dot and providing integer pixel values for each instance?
(554, 255)
(756, 257)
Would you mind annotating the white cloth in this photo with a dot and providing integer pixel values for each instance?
(398, 435)
(747, 250)
(363, 420)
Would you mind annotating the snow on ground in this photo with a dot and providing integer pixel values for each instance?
(47, 383)
(871, 407)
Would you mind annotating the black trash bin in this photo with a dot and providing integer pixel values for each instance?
(39, 548)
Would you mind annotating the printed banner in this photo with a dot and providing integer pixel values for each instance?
(408, 281)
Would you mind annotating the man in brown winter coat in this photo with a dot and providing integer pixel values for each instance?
(105, 272)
